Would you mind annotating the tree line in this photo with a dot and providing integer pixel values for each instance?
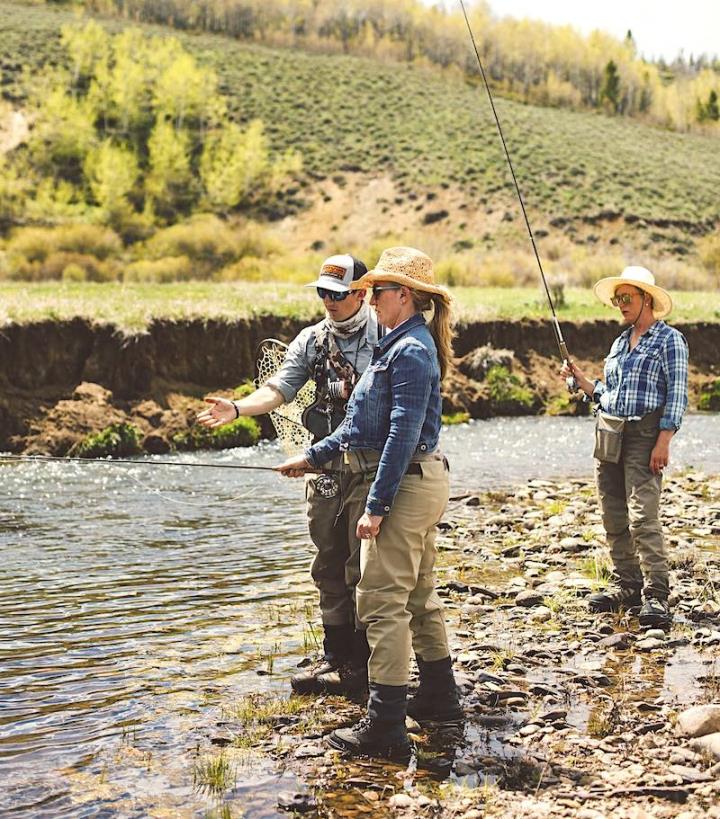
(528, 60)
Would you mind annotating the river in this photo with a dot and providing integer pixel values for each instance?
(133, 600)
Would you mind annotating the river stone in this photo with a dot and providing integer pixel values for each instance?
(650, 644)
(541, 614)
(656, 633)
(296, 802)
(528, 599)
(621, 641)
(400, 801)
(709, 742)
(699, 721)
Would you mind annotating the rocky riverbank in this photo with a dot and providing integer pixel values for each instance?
(62, 383)
(568, 715)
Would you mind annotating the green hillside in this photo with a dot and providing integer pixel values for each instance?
(594, 178)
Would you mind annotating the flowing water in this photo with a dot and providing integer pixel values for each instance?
(133, 599)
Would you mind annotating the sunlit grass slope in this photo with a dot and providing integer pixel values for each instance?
(431, 131)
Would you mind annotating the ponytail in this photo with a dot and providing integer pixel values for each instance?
(440, 324)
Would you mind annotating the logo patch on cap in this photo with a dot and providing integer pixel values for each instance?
(334, 271)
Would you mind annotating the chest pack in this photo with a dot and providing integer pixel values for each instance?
(335, 378)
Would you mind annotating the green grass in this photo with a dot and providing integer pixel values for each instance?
(430, 130)
(133, 306)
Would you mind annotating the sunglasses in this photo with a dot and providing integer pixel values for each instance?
(378, 288)
(333, 295)
(625, 298)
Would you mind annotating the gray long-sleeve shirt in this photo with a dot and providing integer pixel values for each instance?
(296, 370)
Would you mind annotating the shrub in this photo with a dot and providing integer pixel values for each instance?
(73, 273)
(116, 441)
(36, 244)
(507, 388)
(709, 250)
(160, 271)
(53, 267)
(710, 396)
(206, 240)
(241, 432)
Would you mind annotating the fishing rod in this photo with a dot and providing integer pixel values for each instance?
(52, 458)
(571, 382)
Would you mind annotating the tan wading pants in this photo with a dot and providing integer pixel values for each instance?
(332, 522)
(396, 597)
(630, 503)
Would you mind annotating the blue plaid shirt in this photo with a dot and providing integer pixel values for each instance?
(653, 374)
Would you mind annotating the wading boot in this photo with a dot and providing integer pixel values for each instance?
(337, 645)
(655, 613)
(615, 598)
(436, 699)
(382, 732)
(350, 678)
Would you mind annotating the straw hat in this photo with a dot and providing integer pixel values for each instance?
(403, 265)
(638, 277)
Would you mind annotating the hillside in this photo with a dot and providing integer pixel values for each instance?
(392, 150)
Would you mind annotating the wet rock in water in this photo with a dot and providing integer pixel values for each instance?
(650, 644)
(709, 743)
(297, 802)
(620, 640)
(528, 599)
(699, 721)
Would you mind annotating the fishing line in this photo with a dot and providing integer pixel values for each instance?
(113, 461)
(556, 324)
(169, 499)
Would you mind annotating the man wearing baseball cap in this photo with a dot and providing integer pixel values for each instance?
(334, 353)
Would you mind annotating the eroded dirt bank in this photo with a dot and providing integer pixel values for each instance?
(60, 381)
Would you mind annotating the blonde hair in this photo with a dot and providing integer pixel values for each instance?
(440, 324)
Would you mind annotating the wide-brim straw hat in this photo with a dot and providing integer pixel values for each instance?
(403, 265)
(639, 277)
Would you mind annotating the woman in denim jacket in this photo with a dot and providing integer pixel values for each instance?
(394, 417)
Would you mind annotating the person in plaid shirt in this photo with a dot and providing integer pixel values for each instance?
(640, 406)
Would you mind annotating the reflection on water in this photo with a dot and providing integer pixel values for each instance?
(133, 598)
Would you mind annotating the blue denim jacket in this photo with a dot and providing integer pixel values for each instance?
(395, 409)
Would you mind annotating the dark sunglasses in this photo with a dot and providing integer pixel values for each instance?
(378, 288)
(333, 295)
(623, 298)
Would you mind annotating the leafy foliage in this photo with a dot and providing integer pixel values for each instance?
(117, 441)
(134, 132)
(241, 432)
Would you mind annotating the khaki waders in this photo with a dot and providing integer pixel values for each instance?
(396, 597)
(629, 496)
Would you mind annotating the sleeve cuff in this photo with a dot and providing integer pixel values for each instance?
(377, 507)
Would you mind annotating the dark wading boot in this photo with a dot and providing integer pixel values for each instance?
(337, 645)
(382, 732)
(655, 613)
(436, 699)
(350, 678)
(615, 598)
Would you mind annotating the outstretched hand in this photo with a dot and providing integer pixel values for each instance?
(221, 411)
(294, 467)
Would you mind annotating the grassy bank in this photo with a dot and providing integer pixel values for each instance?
(133, 306)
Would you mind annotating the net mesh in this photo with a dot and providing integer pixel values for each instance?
(287, 418)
